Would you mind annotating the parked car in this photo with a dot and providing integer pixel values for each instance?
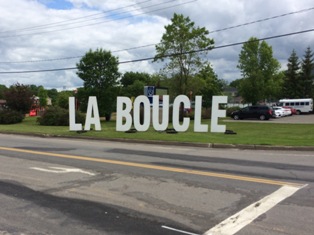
(293, 110)
(278, 112)
(285, 111)
(261, 112)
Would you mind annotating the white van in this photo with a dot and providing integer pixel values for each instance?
(300, 105)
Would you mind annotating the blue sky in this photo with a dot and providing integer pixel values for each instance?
(57, 4)
(47, 34)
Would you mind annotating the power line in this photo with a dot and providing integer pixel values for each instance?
(70, 57)
(262, 20)
(101, 22)
(149, 45)
(75, 19)
(170, 55)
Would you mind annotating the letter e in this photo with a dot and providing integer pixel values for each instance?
(216, 113)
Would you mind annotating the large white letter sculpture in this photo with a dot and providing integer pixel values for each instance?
(92, 115)
(73, 126)
(92, 108)
(216, 113)
(124, 114)
(176, 113)
(124, 118)
(160, 126)
(198, 127)
(142, 99)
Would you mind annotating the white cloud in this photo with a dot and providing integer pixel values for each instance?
(135, 29)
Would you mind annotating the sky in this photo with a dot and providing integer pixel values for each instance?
(38, 35)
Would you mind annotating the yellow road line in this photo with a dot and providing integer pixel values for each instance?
(156, 167)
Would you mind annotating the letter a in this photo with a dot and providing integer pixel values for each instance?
(92, 107)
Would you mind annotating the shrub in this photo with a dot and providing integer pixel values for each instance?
(56, 116)
(232, 109)
(10, 116)
(19, 97)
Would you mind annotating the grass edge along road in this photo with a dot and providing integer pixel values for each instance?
(250, 133)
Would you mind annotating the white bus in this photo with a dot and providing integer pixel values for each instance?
(300, 105)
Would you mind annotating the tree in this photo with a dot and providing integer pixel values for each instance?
(259, 69)
(235, 83)
(19, 97)
(35, 89)
(130, 77)
(53, 95)
(209, 83)
(307, 74)
(43, 96)
(3, 88)
(99, 71)
(133, 83)
(63, 99)
(292, 85)
(183, 45)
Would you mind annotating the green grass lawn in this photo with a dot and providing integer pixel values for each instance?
(247, 133)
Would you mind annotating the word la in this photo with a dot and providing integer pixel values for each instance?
(92, 115)
(124, 118)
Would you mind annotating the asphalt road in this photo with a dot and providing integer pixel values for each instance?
(63, 186)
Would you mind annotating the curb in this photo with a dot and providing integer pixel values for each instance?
(264, 147)
(174, 143)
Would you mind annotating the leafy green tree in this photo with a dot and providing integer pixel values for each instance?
(35, 89)
(19, 97)
(292, 87)
(43, 96)
(99, 71)
(183, 46)
(274, 90)
(3, 88)
(133, 83)
(63, 99)
(209, 84)
(130, 77)
(53, 95)
(307, 74)
(235, 83)
(259, 69)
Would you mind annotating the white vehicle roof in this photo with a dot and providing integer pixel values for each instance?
(297, 100)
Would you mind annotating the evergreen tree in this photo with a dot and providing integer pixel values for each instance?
(307, 74)
(292, 85)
